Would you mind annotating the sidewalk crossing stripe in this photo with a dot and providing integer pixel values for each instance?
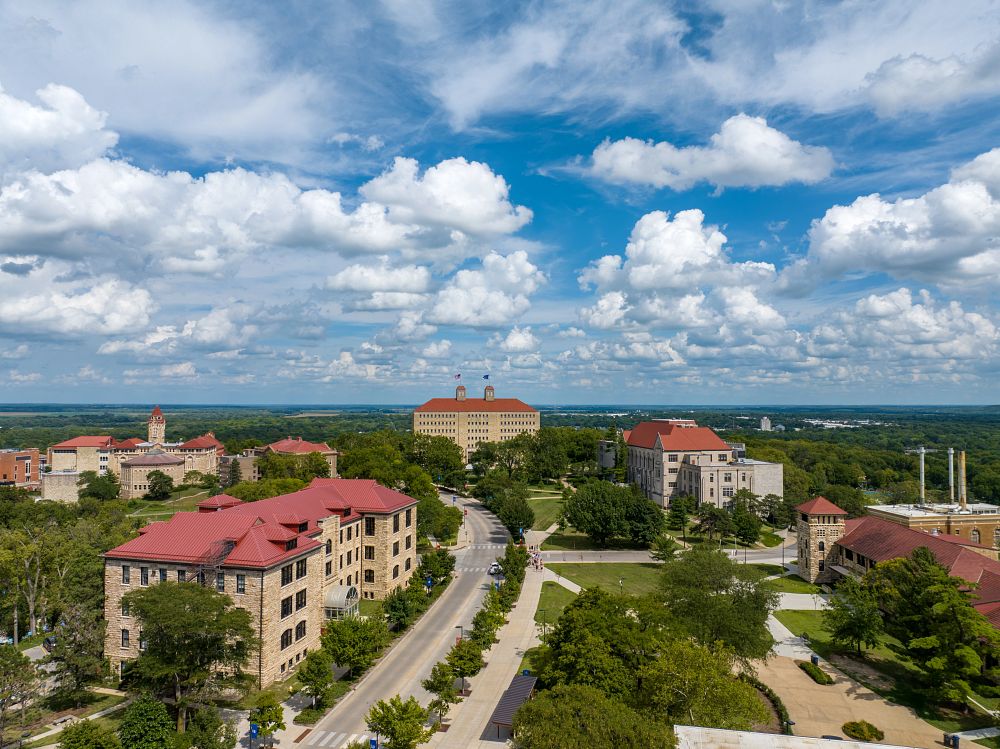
(354, 737)
(333, 738)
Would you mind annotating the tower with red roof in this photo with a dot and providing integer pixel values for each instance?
(820, 525)
(156, 427)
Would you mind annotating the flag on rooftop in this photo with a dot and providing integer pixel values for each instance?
(458, 376)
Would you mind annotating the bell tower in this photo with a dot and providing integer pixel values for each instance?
(156, 427)
(820, 525)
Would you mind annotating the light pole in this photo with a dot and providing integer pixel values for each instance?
(621, 585)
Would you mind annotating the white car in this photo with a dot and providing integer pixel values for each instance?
(496, 569)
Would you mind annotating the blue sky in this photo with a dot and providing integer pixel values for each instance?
(604, 202)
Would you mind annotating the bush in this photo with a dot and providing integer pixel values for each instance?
(310, 715)
(862, 730)
(773, 698)
(818, 675)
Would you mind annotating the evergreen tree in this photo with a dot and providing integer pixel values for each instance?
(235, 474)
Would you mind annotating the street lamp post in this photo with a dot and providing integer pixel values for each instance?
(621, 585)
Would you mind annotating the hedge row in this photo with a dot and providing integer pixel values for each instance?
(773, 698)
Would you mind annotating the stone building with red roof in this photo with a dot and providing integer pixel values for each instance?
(831, 546)
(291, 561)
(247, 460)
(104, 454)
(675, 457)
(470, 421)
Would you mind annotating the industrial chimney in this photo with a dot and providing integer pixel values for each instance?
(962, 499)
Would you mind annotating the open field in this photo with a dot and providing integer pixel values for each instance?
(792, 584)
(636, 579)
(547, 511)
(572, 540)
(553, 600)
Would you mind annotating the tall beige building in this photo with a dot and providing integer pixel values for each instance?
(469, 421)
(292, 562)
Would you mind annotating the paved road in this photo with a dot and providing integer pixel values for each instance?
(425, 644)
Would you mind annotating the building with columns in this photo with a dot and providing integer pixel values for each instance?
(291, 561)
(469, 421)
(675, 457)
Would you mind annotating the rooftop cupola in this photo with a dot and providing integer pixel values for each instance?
(489, 394)
(460, 393)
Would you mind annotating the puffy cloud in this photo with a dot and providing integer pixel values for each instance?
(518, 340)
(454, 193)
(746, 152)
(608, 312)
(494, 295)
(918, 83)
(437, 349)
(946, 236)
(368, 278)
(17, 352)
(64, 131)
(368, 143)
(183, 370)
(106, 307)
(223, 326)
(23, 378)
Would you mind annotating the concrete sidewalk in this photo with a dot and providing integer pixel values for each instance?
(787, 644)
(469, 720)
(550, 576)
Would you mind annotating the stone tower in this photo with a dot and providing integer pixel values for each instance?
(820, 525)
(489, 393)
(460, 393)
(157, 427)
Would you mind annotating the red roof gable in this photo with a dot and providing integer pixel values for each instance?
(820, 506)
(475, 405)
(673, 436)
(128, 444)
(299, 446)
(203, 442)
(85, 441)
(219, 501)
(156, 411)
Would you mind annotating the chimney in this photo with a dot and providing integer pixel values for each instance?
(962, 499)
(488, 393)
(460, 393)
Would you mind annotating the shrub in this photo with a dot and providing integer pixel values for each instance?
(862, 730)
(818, 675)
(310, 715)
(773, 698)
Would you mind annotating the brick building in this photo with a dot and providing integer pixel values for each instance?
(469, 421)
(19, 468)
(675, 457)
(247, 459)
(291, 561)
(831, 546)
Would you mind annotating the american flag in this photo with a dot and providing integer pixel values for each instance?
(458, 377)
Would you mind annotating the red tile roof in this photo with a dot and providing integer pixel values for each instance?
(820, 506)
(219, 501)
(258, 531)
(128, 444)
(675, 437)
(625, 434)
(86, 441)
(299, 446)
(153, 459)
(475, 405)
(156, 411)
(203, 442)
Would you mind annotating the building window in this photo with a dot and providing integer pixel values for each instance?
(286, 574)
(292, 543)
(348, 581)
(395, 572)
(849, 555)
(369, 526)
(727, 491)
(241, 583)
(395, 523)
(395, 548)
(727, 477)
(341, 535)
(406, 564)
(300, 630)
(349, 533)
(286, 607)
(975, 535)
(822, 565)
(672, 458)
(163, 574)
(409, 541)
(286, 638)
(329, 569)
(369, 552)
(349, 555)
(723, 456)
(409, 518)
(124, 638)
(125, 610)
(181, 575)
(126, 574)
(300, 600)
(821, 546)
(369, 576)
(341, 562)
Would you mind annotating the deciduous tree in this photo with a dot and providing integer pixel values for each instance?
(160, 485)
(316, 675)
(599, 509)
(399, 723)
(441, 683)
(78, 653)
(146, 725)
(853, 616)
(268, 714)
(354, 643)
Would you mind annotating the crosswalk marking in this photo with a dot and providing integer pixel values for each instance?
(471, 569)
(333, 738)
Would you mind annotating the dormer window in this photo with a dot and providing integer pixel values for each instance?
(291, 544)
(303, 527)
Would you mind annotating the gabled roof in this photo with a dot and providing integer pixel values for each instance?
(298, 446)
(219, 501)
(156, 411)
(475, 405)
(203, 442)
(129, 444)
(85, 441)
(673, 436)
(820, 506)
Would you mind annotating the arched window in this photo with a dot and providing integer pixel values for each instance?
(329, 546)
(822, 546)
(975, 535)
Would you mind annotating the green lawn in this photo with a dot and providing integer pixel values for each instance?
(792, 584)
(368, 606)
(769, 569)
(553, 600)
(637, 579)
(886, 660)
(572, 540)
(39, 720)
(770, 539)
(547, 511)
(185, 500)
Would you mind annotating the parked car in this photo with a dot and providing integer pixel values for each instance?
(496, 569)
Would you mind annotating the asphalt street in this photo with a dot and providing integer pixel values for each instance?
(411, 659)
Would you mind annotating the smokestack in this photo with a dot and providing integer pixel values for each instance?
(951, 475)
(923, 494)
(961, 480)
